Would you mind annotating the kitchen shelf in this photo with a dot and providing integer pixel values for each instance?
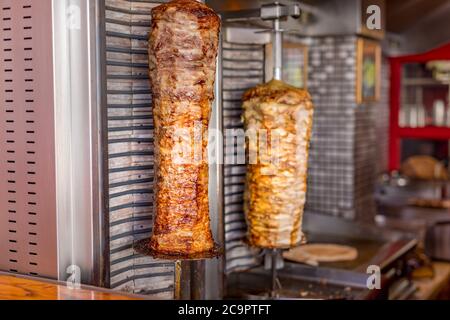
(428, 132)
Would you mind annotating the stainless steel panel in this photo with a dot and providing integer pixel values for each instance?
(27, 150)
(77, 136)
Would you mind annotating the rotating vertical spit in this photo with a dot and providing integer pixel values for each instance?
(183, 92)
(277, 50)
(277, 12)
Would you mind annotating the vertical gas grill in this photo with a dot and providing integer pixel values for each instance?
(78, 146)
(130, 163)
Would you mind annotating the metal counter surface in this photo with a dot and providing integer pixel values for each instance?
(346, 280)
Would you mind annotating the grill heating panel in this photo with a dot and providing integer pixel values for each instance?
(131, 149)
(27, 180)
(243, 68)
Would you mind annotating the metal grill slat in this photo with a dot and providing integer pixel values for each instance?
(130, 131)
(238, 57)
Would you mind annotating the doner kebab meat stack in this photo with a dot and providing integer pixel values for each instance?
(275, 190)
(183, 47)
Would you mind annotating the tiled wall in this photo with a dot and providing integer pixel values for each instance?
(331, 83)
(344, 148)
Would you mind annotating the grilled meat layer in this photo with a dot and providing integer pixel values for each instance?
(183, 48)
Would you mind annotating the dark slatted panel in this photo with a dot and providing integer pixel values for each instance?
(243, 68)
(27, 151)
(130, 131)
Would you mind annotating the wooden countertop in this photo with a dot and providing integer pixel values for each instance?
(14, 287)
(429, 289)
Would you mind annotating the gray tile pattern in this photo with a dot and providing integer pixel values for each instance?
(341, 166)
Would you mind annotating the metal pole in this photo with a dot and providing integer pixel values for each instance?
(273, 292)
(277, 48)
(182, 280)
(197, 280)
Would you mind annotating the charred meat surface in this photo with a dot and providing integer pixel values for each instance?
(183, 47)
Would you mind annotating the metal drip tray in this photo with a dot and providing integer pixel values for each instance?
(296, 284)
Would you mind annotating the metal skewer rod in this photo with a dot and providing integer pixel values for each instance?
(274, 290)
(277, 48)
(277, 53)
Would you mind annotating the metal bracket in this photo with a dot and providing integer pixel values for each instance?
(270, 11)
(275, 12)
(280, 11)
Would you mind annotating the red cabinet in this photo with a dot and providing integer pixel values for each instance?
(419, 99)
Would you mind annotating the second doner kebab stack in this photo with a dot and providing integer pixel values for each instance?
(182, 56)
(275, 191)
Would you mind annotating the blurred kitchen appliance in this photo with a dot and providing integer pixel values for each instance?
(437, 244)
(78, 147)
(393, 202)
